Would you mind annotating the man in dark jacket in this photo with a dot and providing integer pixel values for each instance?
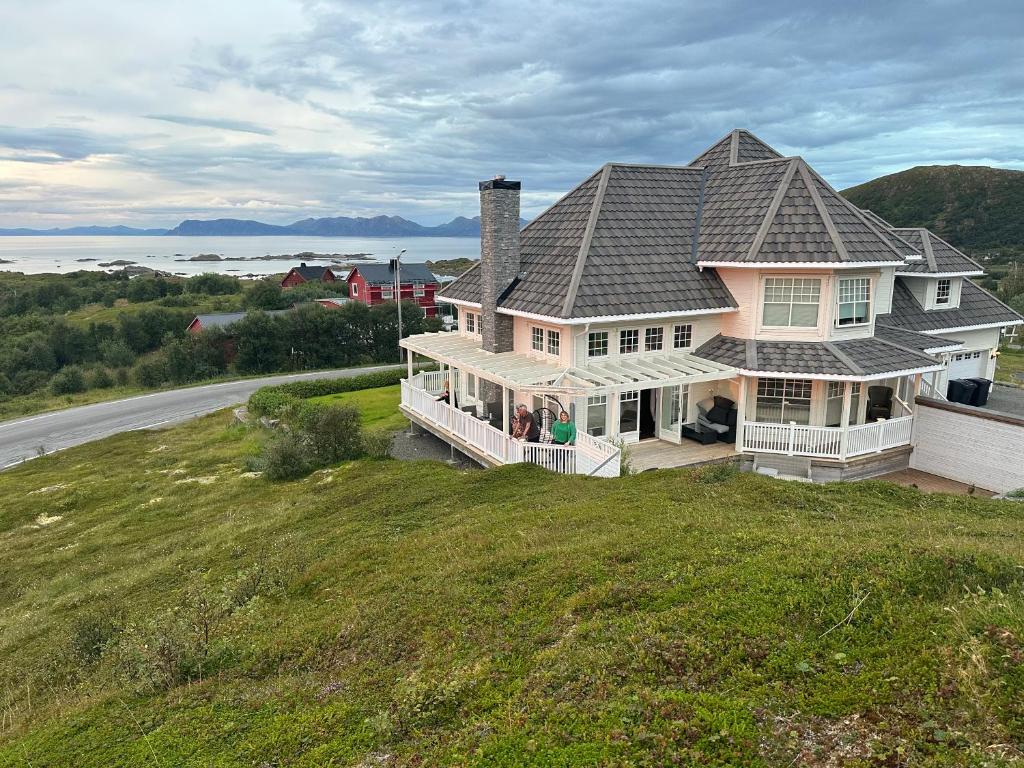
(524, 426)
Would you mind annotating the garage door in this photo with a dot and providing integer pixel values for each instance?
(966, 365)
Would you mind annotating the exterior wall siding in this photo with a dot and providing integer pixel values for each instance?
(704, 328)
(969, 445)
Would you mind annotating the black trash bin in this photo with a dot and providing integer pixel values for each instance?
(967, 393)
(980, 396)
(955, 390)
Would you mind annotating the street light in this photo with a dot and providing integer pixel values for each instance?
(398, 298)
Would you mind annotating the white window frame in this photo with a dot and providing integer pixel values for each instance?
(654, 335)
(805, 285)
(419, 291)
(629, 396)
(786, 391)
(355, 290)
(943, 297)
(537, 338)
(470, 323)
(598, 401)
(629, 348)
(682, 336)
(860, 283)
(387, 294)
(554, 342)
(597, 344)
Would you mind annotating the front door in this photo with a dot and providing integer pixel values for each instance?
(648, 412)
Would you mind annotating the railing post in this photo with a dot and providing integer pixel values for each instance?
(792, 437)
(881, 435)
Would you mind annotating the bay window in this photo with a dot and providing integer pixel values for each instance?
(784, 400)
(854, 301)
(791, 302)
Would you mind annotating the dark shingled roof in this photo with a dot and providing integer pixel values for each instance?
(311, 274)
(382, 274)
(224, 319)
(855, 357)
(977, 307)
(939, 256)
(919, 342)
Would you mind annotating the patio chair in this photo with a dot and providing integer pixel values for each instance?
(879, 403)
(544, 418)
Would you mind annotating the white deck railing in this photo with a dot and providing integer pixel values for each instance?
(826, 442)
(590, 456)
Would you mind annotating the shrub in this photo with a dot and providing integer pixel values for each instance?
(122, 377)
(151, 372)
(269, 401)
(377, 443)
(116, 353)
(100, 378)
(91, 634)
(68, 381)
(26, 382)
(333, 433)
(286, 457)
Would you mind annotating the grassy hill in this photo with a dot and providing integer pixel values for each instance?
(971, 206)
(160, 606)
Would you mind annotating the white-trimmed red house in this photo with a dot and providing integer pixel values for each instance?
(375, 283)
(305, 274)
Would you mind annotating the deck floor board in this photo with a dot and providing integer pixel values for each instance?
(660, 454)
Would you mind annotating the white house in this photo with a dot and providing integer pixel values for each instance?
(734, 307)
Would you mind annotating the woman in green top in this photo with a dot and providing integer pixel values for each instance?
(563, 431)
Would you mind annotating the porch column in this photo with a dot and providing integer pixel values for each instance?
(505, 416)
(408, 359)
(917, 391)
(844, 421)
(741, 412)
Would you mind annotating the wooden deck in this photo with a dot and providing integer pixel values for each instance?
(660, 454)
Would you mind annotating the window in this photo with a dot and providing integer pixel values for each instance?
(387, 294)
(537, 339)
(791, 302)
(682, 336)
(355, 290)
(855, 391)
(629, 411)
(554, 342)
(654, 338)
(784, 400)
(597, 344)
(834, 403)
(629, 341)
(943, 291)
(597, 416)
(470, 322)
(419, 290)
(854, 301)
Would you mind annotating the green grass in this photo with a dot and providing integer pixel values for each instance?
(379, 407)
(97, 313)
(1009, 362)
(409, 614)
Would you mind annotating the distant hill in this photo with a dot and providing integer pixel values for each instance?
(335, 226)
(971, 206)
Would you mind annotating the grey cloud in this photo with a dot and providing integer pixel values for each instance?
(213, 122)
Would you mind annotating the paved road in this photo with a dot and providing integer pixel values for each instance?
(26, 438)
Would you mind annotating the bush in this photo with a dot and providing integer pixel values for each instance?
(116, 353)
(213, 284)
(68, 381)
(377, 443)
(91, 634)
(151, 372)
(122, 377)
(286, 457)
(271, 402)
(100, 378)
(333, 433)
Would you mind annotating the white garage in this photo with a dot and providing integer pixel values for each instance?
(967, 365)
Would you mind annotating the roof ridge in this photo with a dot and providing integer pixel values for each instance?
(561, 199)
(456, 280)
(819, 204)
(844, 358)
(734, 146)
(588, 235)
(858, 213)
(950, 245)
(773, 209)
(663, 166)
(929, 254)
(750, 351)
(710, 147)
(695, 238)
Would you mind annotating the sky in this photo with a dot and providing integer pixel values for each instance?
(146, 113)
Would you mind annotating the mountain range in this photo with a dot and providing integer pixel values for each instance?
(970, 206)
(335, 226)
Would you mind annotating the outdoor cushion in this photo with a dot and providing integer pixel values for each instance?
(723, 402)
(706, 405)
(719, 415)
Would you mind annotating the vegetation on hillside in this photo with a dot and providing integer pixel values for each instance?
(971, 206)
(189, 613)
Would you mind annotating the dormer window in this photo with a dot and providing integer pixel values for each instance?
(943, 291)
(854, 301)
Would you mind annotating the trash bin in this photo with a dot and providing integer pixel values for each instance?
(980, 396)
(955, 390)
(967, 393)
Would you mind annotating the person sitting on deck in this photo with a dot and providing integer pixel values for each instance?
(524, 426)
(563, 431)
(445, 396)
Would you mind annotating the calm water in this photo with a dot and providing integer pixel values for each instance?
(61, 254)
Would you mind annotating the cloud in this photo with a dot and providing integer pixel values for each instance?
(341, 107)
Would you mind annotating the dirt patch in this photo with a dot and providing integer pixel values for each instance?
(44, 520)
(49, 489)
(207, 480)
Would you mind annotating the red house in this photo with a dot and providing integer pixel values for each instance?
(303, 274)
(375, 284)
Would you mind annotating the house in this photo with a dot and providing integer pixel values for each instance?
(375, 284)
(332, 302)
(304, 274)
(736, 308)
(223, 319)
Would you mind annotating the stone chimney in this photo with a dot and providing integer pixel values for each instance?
(499, 257)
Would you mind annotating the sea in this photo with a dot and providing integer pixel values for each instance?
(63, 254)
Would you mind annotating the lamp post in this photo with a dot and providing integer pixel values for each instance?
(398, 298)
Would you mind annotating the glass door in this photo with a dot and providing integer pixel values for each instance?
(671, 412)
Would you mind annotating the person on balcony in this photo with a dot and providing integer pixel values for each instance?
(524, 426)
(563, 431)
(445, 396)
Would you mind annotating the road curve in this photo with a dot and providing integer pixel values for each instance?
(29, 437)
